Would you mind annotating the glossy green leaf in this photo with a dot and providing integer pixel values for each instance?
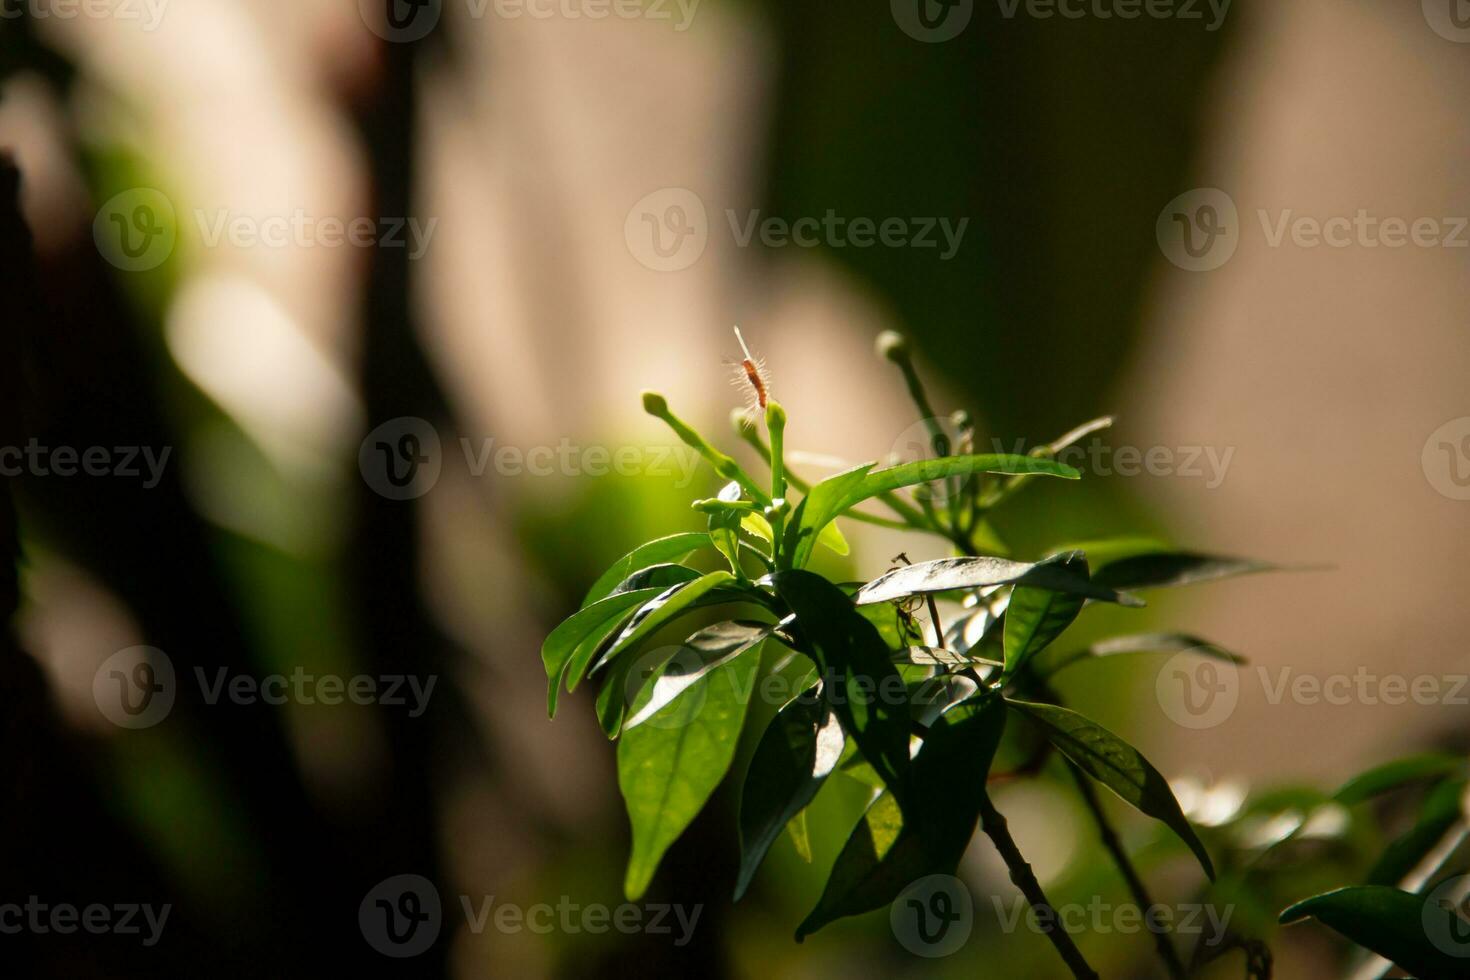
(1168, 568)
(1058, 574)
(1392, 923)
(674, 548)
(591, 623)
(1399, 772)
(701, 653)
(889, 850)
(612, 700)
(661, 610)
(1118, 766)
(858, 680)
(659, 576)
(723, 531)
(831, 538)
(1141, 643)
(1035, 617)
(836, 494)
(941, 657)
(796, 754)
(672, 759)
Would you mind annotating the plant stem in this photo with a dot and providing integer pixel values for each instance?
(1136, 887)
(1022, 876)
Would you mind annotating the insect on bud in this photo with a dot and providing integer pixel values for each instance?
(775, 415)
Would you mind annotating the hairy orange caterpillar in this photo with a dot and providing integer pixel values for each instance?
(751, 375)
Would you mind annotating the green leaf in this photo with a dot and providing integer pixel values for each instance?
(858, 680)
(1035, 617)
(941, 657)
(830, 537)
(1400, 772)
(675, 547)
(723, 528)
(796, 754)
(701, 653)
(1392, 923)
(1142, 643)
(1443, 808)
(1168, 568)
(671, 759)
(757, 525)
(663, 609)
(656, 577)
(833, 496)
(1118, 766)
(1057, 573)
(591, 623)
(889, 849)
(800, 838)
(898, 629)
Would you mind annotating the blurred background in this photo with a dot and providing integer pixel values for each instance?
(269, 238)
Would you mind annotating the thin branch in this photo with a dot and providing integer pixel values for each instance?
(1024, 878)
(1136, 887)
